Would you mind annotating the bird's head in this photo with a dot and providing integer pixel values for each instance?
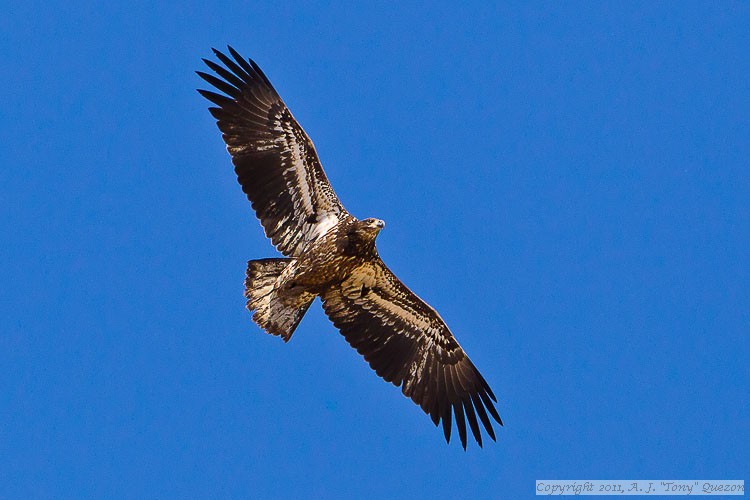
(372, 225)
(367, 230)
(360, 238)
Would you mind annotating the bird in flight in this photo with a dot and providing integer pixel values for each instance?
(332, 255)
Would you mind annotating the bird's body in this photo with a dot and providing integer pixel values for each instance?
(332, 255)
(335, 255)
(328, 261)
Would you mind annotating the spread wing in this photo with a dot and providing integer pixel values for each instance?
(275, 160)
(407, 343)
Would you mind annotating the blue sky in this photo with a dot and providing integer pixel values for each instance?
(567, 183)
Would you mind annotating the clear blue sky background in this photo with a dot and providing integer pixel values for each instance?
(567, 183)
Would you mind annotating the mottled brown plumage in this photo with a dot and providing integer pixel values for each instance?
(332, 255)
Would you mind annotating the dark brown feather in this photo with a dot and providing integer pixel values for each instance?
(275, 160)
(406, 342)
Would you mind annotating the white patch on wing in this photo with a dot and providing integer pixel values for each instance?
(420, 322)
(297, 166)
(324, 225)
(417, 368)
(299, 170)
(301, 185)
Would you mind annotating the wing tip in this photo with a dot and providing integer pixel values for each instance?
(476, 401)
(234, 53)
(458, 411)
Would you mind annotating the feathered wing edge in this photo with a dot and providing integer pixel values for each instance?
(407, 343)
(275, 161)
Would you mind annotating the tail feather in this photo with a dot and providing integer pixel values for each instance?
(278, 310)
(260, 279)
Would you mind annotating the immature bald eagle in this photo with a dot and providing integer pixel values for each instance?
(332, 255)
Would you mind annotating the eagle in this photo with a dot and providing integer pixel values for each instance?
(331, 254)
